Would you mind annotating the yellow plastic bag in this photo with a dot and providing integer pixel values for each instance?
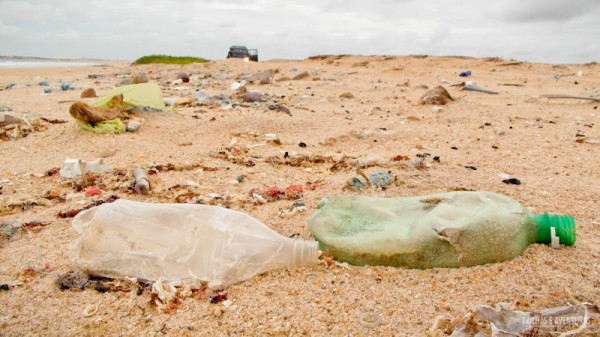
(140, 95)
(135, 95)
(110, 126)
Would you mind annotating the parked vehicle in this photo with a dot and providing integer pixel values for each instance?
(243, 53)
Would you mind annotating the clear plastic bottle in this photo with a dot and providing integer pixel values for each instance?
(181, 242)
(451, 229)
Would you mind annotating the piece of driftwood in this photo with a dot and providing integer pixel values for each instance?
(571, 97)
(142, 184)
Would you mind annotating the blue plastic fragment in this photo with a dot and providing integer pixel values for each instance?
(357, 184)
(65, 86)
(43, 83)
(381, 179)
(465, 73)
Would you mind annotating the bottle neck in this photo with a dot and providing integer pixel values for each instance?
(564, 228)
(304, 253)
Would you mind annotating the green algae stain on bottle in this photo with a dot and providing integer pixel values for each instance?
(445, 230)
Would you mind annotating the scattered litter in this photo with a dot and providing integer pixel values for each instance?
(470, 87)
(72, 279)
(277, 107)
(65, 87)
(105, 114)
(9, 118)
(73, 212)
(472, 168)
(381, 179)
(566, 321)
(93, 191)
(438, 95)
(141, 184)
(164, 293)
(75, 167)
(465, 73)
(437, 109)
(512, 181)
(570, 97)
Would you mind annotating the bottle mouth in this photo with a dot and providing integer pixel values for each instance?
(564, 227)
(305, 253)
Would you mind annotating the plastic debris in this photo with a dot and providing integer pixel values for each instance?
(571, 97)
(213, 244)
(65, 87)
(381, 179)
(75, 167)
(444, 230)
(142, 184)
(470, 87)
(93, 191)
(465, 73)
(277, 107)
(564, 321)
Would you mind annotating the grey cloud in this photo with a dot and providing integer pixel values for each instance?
(548, 10)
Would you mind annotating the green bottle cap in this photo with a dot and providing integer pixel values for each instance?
(564, 227)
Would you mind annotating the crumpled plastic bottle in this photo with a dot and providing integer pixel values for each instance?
(181, 243)
(451, 229)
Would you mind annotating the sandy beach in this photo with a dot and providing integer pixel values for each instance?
(362, 108)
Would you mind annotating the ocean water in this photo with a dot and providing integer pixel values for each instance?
(41, 63)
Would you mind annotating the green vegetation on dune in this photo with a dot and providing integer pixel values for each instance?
(166, 59)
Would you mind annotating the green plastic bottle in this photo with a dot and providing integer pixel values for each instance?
(443, 230)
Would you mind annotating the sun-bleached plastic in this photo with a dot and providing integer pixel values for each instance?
(181, 243)
(441, 230)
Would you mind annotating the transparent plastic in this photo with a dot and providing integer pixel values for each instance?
(181, 242)
(441, 230)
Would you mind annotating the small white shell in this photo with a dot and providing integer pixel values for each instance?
(90, 310)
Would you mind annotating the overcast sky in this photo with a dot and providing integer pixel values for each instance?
(550, 31)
